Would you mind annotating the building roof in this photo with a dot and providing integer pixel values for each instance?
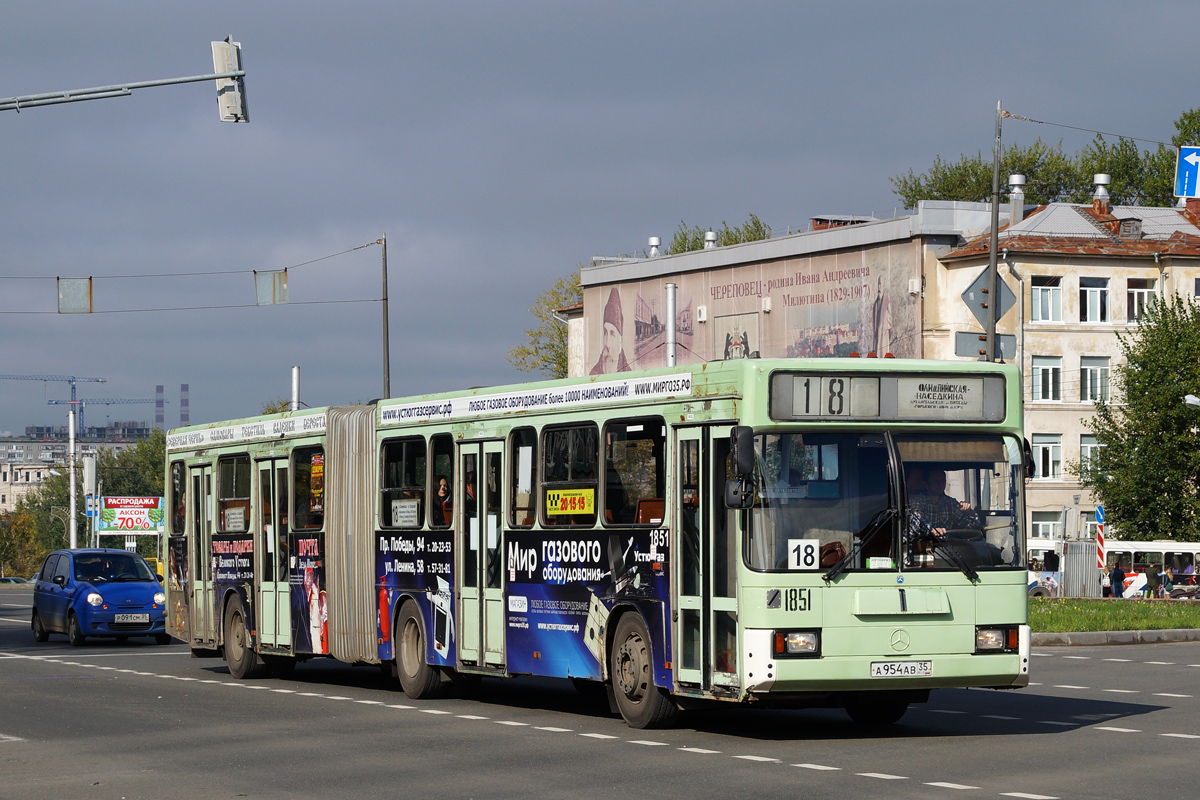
(1096, 229)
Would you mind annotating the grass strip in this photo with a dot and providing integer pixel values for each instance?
(1063, 615)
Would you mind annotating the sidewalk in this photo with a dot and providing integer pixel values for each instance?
(1116, 637)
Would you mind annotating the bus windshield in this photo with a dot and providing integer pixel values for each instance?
(881, 501)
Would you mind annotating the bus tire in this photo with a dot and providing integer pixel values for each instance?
(243, 662)
(1039, 591)
(74, 632)
(875, 709)
(40, 634)
(419, 680)
(641, 703)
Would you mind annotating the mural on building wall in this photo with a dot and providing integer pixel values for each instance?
(824, 305)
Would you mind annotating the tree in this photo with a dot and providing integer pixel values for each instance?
(1147, 469)
(687, 239)
(545, 349)
(19, 552)
(276, 406)
(1138, 177)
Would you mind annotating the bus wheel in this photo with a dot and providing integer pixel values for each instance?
(40, 634)
(641, 703)
(871, 709)
(239, 655)
(74, 632)
(419, 680)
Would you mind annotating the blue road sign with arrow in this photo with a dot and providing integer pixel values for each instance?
(1100, 514)
(1187, 172)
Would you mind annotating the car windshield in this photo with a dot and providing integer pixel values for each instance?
(837, 499)
(111, 567)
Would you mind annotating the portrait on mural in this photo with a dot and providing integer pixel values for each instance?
(612, 338)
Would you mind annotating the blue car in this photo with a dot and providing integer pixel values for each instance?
(111, 593)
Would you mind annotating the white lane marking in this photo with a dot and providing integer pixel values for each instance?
(1027, 796)
(1121, 691)
(1117, 730)
(433, 711)
(284, 691)
(512, 723)
(1079, 658)
(107, 669)
(1122, 660)
(700, 750)
(1069, 686)
(758, 758)
(302, 694)
(210, 680)
(1162, 663)
(18, 621)
(397, 705)
(945, 711)
(336, 697)
(944, 785)
(883, 776)
(997, 716)
(1168, 694)
(1057, 722)
(1194, 665)
(647, 743)
(370, 702)
(464, 716)
(816, 766)
(264, 688)
(1042, 655)
(597, 736)
(183, 678)
(6, 738)
(135, 672)
(1033, 683)
(1181, 735)
(551, 728)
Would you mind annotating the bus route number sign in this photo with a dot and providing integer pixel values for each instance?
(804, 553)
(570, 501)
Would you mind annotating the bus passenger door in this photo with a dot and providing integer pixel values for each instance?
(706, 636)
(478, 532)
(274, 621)
(200, 556)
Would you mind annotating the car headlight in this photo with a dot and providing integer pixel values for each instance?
(94, 598)
(160, 598)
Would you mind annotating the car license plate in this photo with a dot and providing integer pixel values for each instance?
(146, 618)
(901, 669)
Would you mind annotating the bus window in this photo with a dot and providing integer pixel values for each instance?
(570, 455)
(523, 472)
(308, 488)
(634, 471)
(178, 498)
(441, 495)
(233, 495)
(403, 490)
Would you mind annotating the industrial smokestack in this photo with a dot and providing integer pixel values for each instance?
(1100, 197)
(185, 411)
(295, 404)
(1016, 197)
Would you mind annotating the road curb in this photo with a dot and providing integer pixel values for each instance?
(1116, 637)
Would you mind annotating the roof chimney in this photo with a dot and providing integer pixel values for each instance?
(1016, 197)
(654, 243)
(710, 240)
(1100, 198)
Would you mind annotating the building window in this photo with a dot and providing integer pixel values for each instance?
(1047, 378)
(1047, 524)
(1093, 299)
(1087, 448)
(1139, 298)
(1093, 379)
(1047, 455)
(1046, 296)
(1087, 524)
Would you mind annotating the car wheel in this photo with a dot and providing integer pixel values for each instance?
(40, 634)
(162, 638)
(641, 703)
(419, 680)
(243, 662)
(74, 632)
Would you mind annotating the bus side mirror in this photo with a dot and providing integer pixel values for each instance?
(741, 450)
(739, 493)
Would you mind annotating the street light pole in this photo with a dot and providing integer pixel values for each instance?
(387, 358)
(993, 298)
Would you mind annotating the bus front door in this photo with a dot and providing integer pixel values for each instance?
(274, 622)
(706, 544)
(478, 531)
(200, 612)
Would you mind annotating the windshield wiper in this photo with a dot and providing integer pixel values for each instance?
(940, 543)
(864, 537)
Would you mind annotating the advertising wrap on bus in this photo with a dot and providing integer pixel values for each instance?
(421, 562)
(310, 608)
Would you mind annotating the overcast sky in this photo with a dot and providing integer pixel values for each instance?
(496, 145)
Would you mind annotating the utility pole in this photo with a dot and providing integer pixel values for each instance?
(74, 524)
(387, 358)
(993, 295)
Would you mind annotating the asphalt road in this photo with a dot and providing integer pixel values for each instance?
(142, 721)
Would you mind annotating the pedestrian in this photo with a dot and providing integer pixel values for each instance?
(1168, 581)
(1105, 585)
(1117, 578)
(1152, 582)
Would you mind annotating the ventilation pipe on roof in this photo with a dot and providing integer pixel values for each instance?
(654, 243)
(1100, 197)
(671, 346)
(710, 240)
(1016, 197)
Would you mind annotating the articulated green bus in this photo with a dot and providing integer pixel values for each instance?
(829, 532)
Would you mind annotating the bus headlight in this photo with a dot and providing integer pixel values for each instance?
(997, 639)
(94, 598)
(797, 643)
(160, 598)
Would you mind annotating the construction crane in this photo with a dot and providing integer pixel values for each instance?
(107, 401)
(71, 379)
